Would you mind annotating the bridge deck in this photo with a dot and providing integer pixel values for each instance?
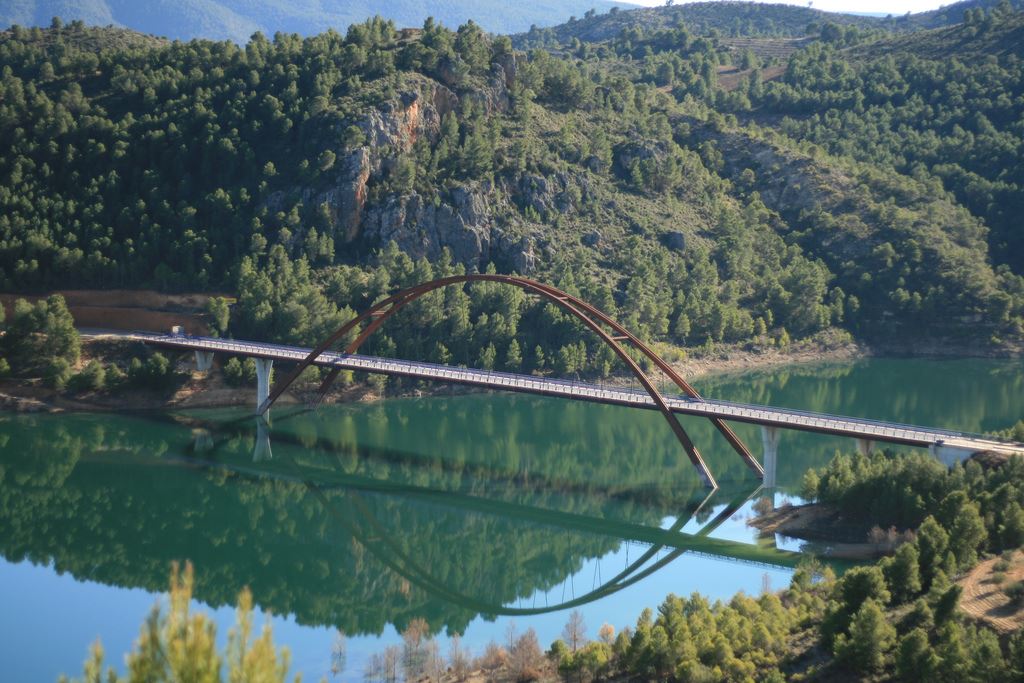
(860, 428)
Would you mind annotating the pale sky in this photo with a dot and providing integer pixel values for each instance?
(894, 7)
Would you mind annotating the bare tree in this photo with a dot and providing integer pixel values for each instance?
(374, 670)
(606, 633)
(389, 664)
(458, 658)
(413, 654)
(510, 635)
(338, 654)
(434, 664)
(526, 657)
(575, 632)
(493, 658)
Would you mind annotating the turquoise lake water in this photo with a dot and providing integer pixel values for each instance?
(472, 512)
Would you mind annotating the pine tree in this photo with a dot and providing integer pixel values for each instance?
(916, 661)
(1011, 531)
(539, 360)
(487, 357)
(871, 637)
(902, 573)
(514, 356)
(932, 544)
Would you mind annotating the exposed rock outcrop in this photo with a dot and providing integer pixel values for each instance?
(461, 219)
(21, 404)
(592, 238)
(391, 129)
(627, 154)
(417, 113)
(551, 193)
(421, 227)
(347, 197)
(464, 223)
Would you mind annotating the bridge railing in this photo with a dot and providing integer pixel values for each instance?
(577, 387)
(574, 387)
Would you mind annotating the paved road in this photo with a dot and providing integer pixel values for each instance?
(873, 430)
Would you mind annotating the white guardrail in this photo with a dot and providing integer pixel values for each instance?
(785, 417)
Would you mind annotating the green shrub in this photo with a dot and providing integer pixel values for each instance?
(56, 373)
(1015, 591)
(115, 376)
(91, 378)
(239, 373)
(155, 373)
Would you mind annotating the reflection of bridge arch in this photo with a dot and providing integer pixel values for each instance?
(361, 524)
(399, 561)
(590, 316)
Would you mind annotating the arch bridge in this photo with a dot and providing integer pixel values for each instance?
(948, 445)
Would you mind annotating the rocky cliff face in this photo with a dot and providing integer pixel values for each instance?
(347, 196)
(466, 223)
(423, 226)
(477, 221)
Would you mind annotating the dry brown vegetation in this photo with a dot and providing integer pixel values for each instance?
(121, 309)
(985, 596)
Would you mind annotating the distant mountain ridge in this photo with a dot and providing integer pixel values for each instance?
(728, 18)
(738, 19)
(560, 20)
(238, 19)
(952, 14)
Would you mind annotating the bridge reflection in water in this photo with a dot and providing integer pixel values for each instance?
(345, 533)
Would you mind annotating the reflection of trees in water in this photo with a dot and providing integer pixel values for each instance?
(972, 395)
(959, 394)
(87, 494)
(565, 445)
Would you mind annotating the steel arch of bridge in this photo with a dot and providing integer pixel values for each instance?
(591, 317)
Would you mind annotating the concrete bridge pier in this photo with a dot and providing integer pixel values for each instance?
(204, 361)
(950, 455)
(865, 446)
(261, 451)
(770, 442)
(264, 366)
(202, 440)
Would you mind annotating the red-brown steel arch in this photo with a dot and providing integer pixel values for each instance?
(590, 316)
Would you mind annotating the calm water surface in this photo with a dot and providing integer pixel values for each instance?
(472, 512)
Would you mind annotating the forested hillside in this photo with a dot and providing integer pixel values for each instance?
(860, 185)
(742, 19)
(727, 18)
(902, 104)
(953, 13)
(237, 20)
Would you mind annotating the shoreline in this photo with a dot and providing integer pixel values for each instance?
(202, 391)
(814, 525)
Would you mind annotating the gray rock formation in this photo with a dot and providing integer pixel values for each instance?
(630, 153)
(347, 196)
(422, 227)
(463, 218)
